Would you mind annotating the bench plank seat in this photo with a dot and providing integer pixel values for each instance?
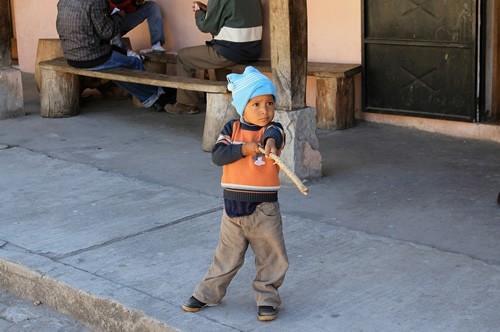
(139, 76)
(317, 69)
(60, 92)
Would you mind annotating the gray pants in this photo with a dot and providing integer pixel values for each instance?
(264, 232)
(199, 57)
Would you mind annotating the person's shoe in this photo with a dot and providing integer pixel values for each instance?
(179, 108)
(134, 54)
(146, 51)
(159, 105)
(193, 305)
(157, 47)
(158, 108)
(267, 313)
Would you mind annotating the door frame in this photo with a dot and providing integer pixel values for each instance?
(495, 63)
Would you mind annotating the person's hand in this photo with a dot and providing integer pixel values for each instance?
(270, 147)
(250, 149)
(118, 12)
(197, 6)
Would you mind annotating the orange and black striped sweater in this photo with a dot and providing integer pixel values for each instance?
(247, 181)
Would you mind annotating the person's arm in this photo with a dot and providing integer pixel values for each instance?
(105, 25)
(211, 19)
(197, 6)
(270, 147)
(224, 151)
(274, 139)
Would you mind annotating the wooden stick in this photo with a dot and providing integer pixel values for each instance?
(303, 189)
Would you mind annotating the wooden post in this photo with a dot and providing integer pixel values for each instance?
(288, 20)
(59, 94)
(5, 33)
(11, 87)
(288, 25)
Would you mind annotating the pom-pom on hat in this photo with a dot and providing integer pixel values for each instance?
(251, 83)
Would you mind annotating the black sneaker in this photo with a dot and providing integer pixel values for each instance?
(267, 313)
(168, 97)
(193, 305)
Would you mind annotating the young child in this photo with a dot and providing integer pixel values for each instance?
(251, 210)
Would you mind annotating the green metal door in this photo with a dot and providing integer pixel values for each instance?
(420, 58)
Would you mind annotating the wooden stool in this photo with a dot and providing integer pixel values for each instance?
(47, 49)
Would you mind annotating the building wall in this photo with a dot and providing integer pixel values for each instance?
(334, 29)
(334, 32)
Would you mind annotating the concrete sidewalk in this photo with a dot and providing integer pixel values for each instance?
(112, 217)
(18, 314)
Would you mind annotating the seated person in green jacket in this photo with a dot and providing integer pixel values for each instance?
(236, 27)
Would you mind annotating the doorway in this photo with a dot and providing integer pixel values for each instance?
(420, 58)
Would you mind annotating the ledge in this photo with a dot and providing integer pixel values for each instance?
(485, 132)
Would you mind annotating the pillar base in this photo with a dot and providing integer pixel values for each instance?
(11, 93)
(301, 153)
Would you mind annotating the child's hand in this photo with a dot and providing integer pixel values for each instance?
(270, 147)
(250, 149)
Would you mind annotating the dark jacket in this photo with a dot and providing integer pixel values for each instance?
(236, 26)
(85, 28)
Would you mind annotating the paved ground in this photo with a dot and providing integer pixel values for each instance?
(112, 217)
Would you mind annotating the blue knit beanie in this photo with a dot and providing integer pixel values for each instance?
(251, 83)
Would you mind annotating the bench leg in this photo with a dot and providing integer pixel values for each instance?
(59, 94)
(219, 111)
(335, 103)
(47, 49)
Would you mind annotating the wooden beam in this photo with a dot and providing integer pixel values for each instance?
(288, 25)
(495, 66)
(5, 33)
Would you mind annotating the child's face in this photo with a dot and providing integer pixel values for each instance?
(259, 110)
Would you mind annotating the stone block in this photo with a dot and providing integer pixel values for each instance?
(301, 153)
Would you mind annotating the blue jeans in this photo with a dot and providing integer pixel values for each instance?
(147, 94)
(151, 11)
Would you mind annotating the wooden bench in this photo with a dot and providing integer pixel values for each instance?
(60, 92)
(335, 99)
